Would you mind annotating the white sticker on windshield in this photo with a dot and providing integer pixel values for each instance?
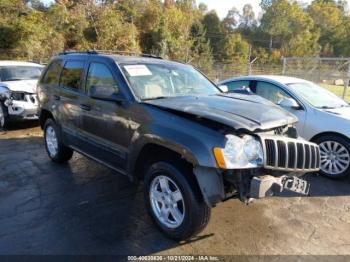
(138, 70)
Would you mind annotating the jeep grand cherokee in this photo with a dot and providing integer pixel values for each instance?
(165, 123)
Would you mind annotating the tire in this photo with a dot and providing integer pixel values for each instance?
(4, 118)
(56, 150)
(193, 213)
(337, 149)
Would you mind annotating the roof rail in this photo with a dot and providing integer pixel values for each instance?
(109, 52)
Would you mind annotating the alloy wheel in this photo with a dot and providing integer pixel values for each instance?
(335, 158)
(51, 141)
(2, 117)
(167, 201)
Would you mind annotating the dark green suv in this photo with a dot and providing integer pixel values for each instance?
(165, 123)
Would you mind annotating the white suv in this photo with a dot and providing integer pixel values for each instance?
(18, 90)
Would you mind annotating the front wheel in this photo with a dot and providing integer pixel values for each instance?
(55, 148)
(3, 116)
(174, 201)
(335, 156)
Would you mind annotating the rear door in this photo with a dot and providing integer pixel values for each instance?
(68, 99)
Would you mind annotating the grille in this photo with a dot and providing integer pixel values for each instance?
(282, 153)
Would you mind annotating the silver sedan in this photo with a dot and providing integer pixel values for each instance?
(324, 118)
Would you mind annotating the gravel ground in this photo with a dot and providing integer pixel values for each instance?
(85, 208)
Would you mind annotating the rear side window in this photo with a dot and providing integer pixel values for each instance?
(237, 85)
(71, 75)
(53, 73)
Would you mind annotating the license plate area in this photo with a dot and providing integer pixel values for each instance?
(296, 185)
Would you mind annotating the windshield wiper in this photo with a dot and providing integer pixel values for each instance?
(154, 98)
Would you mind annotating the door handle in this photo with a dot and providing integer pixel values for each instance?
(56, 97)
(85, 107)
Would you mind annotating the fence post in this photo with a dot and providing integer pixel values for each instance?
(249, 63)
(346, 83)
(284, 65)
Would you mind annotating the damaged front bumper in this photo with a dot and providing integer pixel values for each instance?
(24, 106)
(265, 186)
(246, 185)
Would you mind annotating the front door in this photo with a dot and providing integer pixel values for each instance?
(105, 123)
(275, 94)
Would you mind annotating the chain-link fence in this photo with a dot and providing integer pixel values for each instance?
(333, 72)
(223, 71)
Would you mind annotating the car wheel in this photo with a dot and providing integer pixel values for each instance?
(55, 148)
(3, 116)
(174, 200)
(335, 156)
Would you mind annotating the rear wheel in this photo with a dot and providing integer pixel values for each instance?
(174, 201)
(55, 148)
(335, 156)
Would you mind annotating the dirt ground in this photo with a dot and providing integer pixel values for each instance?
(84, 208)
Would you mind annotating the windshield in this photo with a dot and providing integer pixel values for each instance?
(15, 73)
(152, 81)
(317, 96)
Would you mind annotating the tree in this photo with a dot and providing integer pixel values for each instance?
(290, 27)
(231, 20)
(247, 19)
(235, 49)
(201, 53)
(113, 32)
(330, 22)
(214, 32)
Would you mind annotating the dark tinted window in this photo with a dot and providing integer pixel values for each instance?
(71, 74)
(101, 77)
(237, 84)
(53, 73)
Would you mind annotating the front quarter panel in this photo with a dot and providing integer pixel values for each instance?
(320, 121)
(194, 142)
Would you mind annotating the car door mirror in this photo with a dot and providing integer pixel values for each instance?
(107, 93)
(289, 103)
(223, 88)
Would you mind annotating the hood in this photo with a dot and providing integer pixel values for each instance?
(343, 112)
(28, 86)
(239, 111)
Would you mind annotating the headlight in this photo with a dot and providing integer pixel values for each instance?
(239, 153)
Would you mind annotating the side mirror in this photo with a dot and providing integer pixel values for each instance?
(223, 88)
(289, 103)
(106, 93)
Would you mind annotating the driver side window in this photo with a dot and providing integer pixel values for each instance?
(270, 92)
(101, 78)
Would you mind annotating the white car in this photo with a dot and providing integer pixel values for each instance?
(324, 118)
(18, 91)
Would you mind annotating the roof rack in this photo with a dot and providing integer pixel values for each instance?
(109, 52)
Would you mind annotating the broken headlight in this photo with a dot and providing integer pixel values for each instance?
(239, 153)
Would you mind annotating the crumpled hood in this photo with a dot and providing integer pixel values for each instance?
(239, 111)
(28, 86)
(343, 112)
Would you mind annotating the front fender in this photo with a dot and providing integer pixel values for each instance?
(194, 145)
